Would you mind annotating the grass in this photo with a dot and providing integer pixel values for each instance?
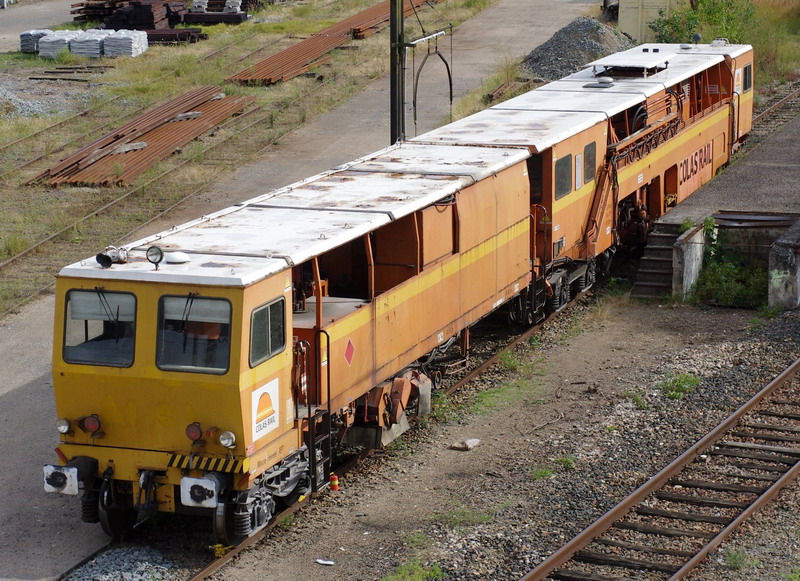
(416, 539)
(414, 570)
(540, 473)
(676, 385)
(737, 560)
(637, 398)
(464, 516)
(566, 462)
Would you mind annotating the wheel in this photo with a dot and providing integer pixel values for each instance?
(116, 519)
(590, 276)
(242, 516)
(564, 296)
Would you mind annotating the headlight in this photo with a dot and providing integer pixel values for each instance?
(227, 439)
(63, 425)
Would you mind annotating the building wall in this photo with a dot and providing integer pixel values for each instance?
(635, 14)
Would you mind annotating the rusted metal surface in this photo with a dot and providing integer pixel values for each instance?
(302, 56)
(124, 154)
(662, 478)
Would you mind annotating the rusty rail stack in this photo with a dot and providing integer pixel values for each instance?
(314, 50)
(121, 156)
(672, 522)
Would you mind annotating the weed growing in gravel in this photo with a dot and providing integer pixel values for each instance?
(416, 539)
(794, 574)
(540, 473)
(566, 462)
(465, 516)
(676, 385)
(737, 560)
(505, 395)
(509, 361)
(442, 409)
(611, 428)
(637, 398)
(286, 522)
(415, 571)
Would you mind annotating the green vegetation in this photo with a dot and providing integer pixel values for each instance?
(686, 225)
(415, 571)
(771, 26)
(676, 385)
(637, 398)
(541, 472)
(416, 539)
(566, 462)
(461, 516)
(728, 278)
(737, 560)
(509, 361)
(442, 408)
(611, 428)
(286, 522)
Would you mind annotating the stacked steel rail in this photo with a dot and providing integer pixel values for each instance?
(314, 50)
(124, 154)
(695, 502)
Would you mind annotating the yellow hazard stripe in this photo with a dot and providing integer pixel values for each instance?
(208, 464)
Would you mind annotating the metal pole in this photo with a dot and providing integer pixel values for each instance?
(396, 73)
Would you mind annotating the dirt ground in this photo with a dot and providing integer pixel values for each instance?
(581, 373)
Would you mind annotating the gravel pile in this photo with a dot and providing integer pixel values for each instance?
(568, 50)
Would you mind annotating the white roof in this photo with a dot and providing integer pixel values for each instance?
(558, 110)
(268, 234)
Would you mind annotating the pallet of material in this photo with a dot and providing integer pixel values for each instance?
(139, 15)
(215, 17)
(121, 156)
(175, 36)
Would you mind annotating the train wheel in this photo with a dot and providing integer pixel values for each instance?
(242, 516)
(116, 520)
(590, 276)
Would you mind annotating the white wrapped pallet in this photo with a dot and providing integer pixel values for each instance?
(29, 40)
(52, 44)
(89, 43)
(125, 43)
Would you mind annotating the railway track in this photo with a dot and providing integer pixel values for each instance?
(665, 528)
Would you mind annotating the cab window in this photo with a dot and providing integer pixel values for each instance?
(267, 331)
(563, 176)
(748, 78)
(99, 328)
(194, 334)
(589, 162)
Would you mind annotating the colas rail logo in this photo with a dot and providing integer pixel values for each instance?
(695, 163)
(266, 416)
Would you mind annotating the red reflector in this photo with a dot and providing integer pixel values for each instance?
(91, 424)
(194, 432)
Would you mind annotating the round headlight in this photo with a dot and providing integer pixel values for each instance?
(63, 425)
(227, 439)
(154, 255)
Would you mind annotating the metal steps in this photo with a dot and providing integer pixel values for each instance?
(654, 276)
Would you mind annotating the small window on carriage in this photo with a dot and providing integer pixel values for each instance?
(589, 162)
(563, 176)
(194, 334)
(748, 77)
(267, 331)
(99, 328)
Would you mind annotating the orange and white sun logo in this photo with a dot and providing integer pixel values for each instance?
(265, 414)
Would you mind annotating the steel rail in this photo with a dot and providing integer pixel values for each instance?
(772, 108)
(605, 522)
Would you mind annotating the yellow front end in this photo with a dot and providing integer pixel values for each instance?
(168, 398)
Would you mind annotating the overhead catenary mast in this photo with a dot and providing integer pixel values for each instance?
(397, 72)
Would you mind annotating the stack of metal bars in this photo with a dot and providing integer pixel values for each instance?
(311, 52)
(124, 154)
